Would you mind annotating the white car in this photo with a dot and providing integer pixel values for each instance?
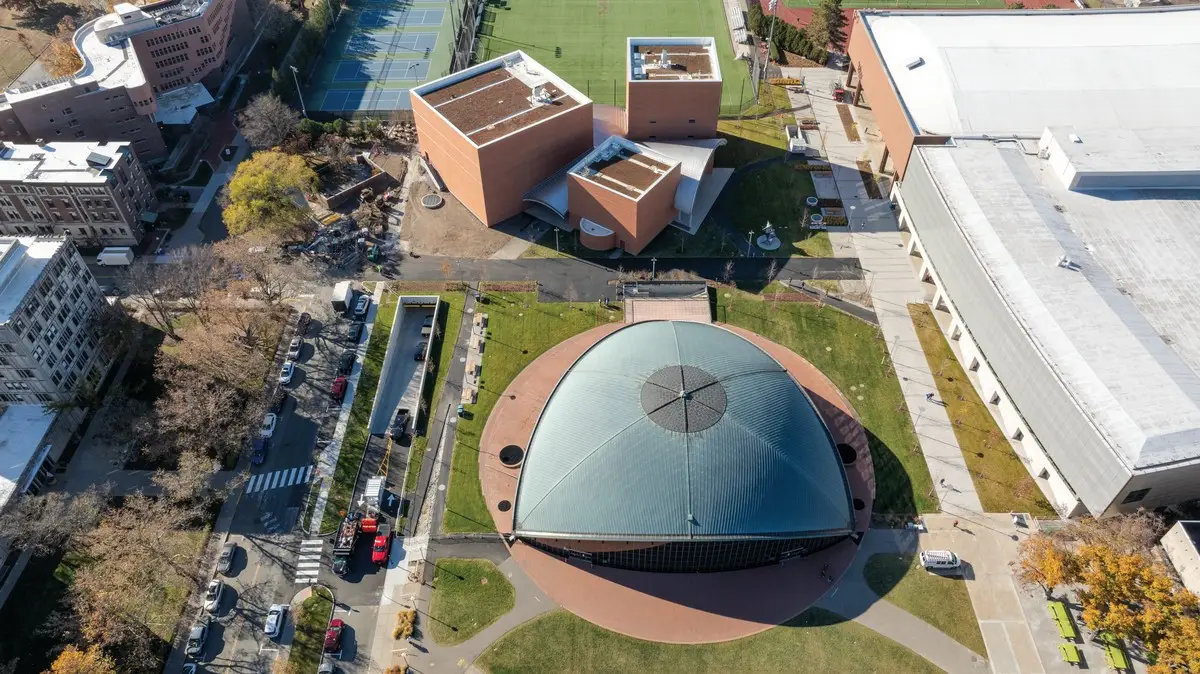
(285, 374)
(294, 348)
(274, 623)
(939, 559)
(212, 596)
(364, 303)
(268, 425)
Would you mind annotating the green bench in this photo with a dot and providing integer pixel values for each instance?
(1058, 611)
(1114, 654)
(1070, 653)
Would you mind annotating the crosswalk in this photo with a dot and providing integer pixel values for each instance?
(308, 567)
(276, 479)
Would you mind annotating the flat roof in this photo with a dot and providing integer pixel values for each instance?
(499, 97)
(109, 65)
(1119, 326)
(59, 162)
(687, 58)
(22, 260)
(1017, 72)
(22, 429)
(624, 167)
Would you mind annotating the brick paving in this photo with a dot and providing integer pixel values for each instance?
(671, 608)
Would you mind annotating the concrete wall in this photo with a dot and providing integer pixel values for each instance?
(1183, 555)
(677, 109)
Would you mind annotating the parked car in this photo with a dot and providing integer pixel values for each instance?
(338, 390)
(197, 637)
(427, 326)
(274, 622)
(347, 362)
(225, 561)
(294, 348)
(333, 635)
(355, 333)
(420, 355)
(258, 451)
(399, 423)
(212, 595)
(939, 559)
(268, 424)
(285, 374)
(361, 306)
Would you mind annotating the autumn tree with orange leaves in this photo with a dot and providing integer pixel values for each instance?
(1045, 562)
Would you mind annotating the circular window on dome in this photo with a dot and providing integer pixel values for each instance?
(848, 454)
(511, 455)
(683, 398)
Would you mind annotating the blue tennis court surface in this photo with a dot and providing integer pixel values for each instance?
(414, 70)
(401, 18)
(379, 43)
(362, 99)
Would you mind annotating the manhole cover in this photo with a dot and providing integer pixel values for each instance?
(432, 200)
(504, 506)
(511, 455)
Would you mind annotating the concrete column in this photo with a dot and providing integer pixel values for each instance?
(886, 155)
(850, 74)
(911, 246)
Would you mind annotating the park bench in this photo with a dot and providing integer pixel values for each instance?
(1114, 655)
(1070, 653)
(1058, 611)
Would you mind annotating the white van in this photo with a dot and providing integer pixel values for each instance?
(115, 256)
(936, 560)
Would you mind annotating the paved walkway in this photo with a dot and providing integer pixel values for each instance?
(190, 233)
(874, 238)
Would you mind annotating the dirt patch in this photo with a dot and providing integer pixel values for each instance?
(395, 165)
(868, 179)
(848, 124)
(449, 230)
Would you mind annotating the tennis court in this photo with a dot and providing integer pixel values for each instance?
(583, 41)
(378, 51)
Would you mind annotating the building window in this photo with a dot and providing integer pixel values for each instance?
(691, 121)
(1135, 496)
(1019, 435)
(7, 348)
(45, 398)
(27, 374)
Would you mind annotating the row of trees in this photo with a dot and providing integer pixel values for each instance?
(269, 122)
(1122, 590)
(826, 30)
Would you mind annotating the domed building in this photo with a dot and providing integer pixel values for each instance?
(676, 446)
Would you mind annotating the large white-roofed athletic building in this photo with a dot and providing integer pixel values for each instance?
(1047, 172)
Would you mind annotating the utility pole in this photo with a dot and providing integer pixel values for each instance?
(556, 250)
(774, 6)
(653, 267)
(749, 240)
(299, 93)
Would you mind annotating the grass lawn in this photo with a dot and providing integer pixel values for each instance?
(748, 140)
(308, 642)
(853, 355)
(1003, 482)
(816, 641)
(911, 4)
(519, 330)
(354, 442)
(938, 600)
(775, 194)
(468, 595)
(583, 41)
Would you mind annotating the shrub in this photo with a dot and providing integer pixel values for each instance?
(405, 622)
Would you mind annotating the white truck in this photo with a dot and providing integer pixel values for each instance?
(115, 256)
(343, 294)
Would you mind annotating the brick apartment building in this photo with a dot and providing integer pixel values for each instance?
(94, 193)
(508, 136)
(142, 66)
(47, 299)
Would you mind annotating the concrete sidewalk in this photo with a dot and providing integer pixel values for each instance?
(892, 284)
(190, 233)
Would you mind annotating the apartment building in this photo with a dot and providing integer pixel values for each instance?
(142, 67)
(97, 194)
(47, 299)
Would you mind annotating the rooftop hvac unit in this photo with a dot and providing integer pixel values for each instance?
(913, 65)
(664, 61)
(541, 95)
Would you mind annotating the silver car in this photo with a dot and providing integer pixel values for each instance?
(274, 623)
(225, 562)
(197, 637)
(212, 595)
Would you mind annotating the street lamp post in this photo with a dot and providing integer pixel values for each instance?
(296, 79)
(556, 250)
(773, 6)
(653, 267)
(749, 240)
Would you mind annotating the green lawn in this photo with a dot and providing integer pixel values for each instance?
(583, 41)
(519, 330)
(308, 642)
(1003, 482)
(816, 641)
(853, 355)
(747, 139)
(354, 442)
(938, 600)
(775, 194)
(468, 595)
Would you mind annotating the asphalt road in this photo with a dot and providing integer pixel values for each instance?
(267, 567)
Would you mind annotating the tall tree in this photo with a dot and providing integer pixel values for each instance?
(266, 120)
(1044, 562)
(152, 291)
(75, 661)
(1136, 532)
(49, 522)
(265, 194)
(827, 28)
(1179, 650)
(188, 484)
(264, 271)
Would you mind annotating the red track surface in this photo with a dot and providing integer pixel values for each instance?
(801, 16)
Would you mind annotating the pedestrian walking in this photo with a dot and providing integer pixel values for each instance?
(955, 524)
(928, 397)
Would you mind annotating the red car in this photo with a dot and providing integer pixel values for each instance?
(383, 545)
(333, 635)
(338, 391)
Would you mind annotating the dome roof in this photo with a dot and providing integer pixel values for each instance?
(676, 430)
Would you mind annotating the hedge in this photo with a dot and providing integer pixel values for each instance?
(787, 37)
(306, 48)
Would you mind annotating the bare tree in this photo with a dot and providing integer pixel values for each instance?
(266, 120)
(48, 522)
(195, 270)
(151, 291)
(273, 17)
(113, 328)
(262, 269)
(1131, 533)
(337, 151)
(188, 483)
(727, 272)
(203, 414)
(772, 270)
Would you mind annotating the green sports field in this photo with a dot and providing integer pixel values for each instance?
(583, 41)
